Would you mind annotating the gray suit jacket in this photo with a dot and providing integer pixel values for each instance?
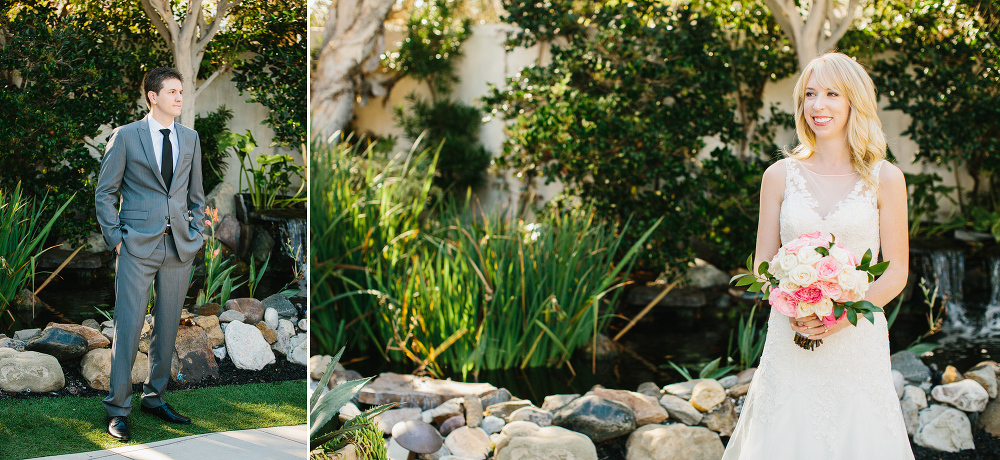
(129, 167)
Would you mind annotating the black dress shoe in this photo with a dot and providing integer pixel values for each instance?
(118, 428)
(166, 413)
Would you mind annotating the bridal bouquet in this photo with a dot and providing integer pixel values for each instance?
(814, 274)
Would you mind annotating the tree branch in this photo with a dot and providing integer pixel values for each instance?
(190, 23)
(213, 28)
(208, 80)
(841, 28)
(814, 22)
(155, 16)
(783, 16)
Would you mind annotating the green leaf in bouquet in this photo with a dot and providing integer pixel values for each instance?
(746, 280)
(755, 287)
(767, 294)
(762, 269)
(866, 259)
(852, 316)
(869, 315)
(750, 263)
(878, 268)
(823, 251)
(833, 239)
(838, 310)
(736, 277)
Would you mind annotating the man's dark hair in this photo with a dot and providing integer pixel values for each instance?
(154, 81)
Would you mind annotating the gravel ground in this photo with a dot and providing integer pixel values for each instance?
(228, 375)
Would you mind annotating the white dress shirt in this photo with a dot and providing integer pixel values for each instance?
(157, 137)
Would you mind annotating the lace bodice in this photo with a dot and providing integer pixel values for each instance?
(852, 218)
(836, 402)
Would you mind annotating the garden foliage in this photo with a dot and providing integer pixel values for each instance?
(452, 288)
(621, 112)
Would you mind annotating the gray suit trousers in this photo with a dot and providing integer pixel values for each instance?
(132, 286)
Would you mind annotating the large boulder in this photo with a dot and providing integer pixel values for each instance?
(532, 414)
(527, 441)
(646, 408)
(674, 442)
(967, 395)
(94, 337)
(422, 392)
(193, 359)
(251, 308)
(910, 365)
(599, 418)
(943, 428)
(552, 403)
(29, 370)
(96, 368)
(62, 344)
(247, 347)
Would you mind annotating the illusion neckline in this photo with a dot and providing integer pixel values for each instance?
(824, 175)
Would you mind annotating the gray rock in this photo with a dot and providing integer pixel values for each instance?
(532, 414)
(25, 334)
(261, 245)
(898, 381)
(492, 424)
(645, 408)
(722, 419)
(552, 403)
(390, 418)
(599, 418)
(913, 401)
(96, 368)
(219, 352)
(986, 377)
(281, 305)
(473, 411)
(989, 419)
(504, 409)
(440, 454)
(745, 376)
(108, 332)
(451, 424)
(674, 442)
(208, 309)
(247, 347)
(222, 198)
(728, 381)
(92, 323)
(494, 396)
(649, 389)
(913, 369)
(108, 323)
(94, 337)
(271, 318)
(966, 395)
(298, 354)
(232, 315)
(527, 441)
(422, 392)
(228, 231)
(29, 370)
(943, 428)
(283, 343)
(64, 345)
(703, 275)
(443, 411)
(681, 410)
(681, 389)
(303, 325)
(14, 344)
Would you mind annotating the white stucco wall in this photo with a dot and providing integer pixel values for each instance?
(485, 61)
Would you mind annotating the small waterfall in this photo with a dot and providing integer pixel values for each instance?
(946, 268)
(293, 240)
(992, 317)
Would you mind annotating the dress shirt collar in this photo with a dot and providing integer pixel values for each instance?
(156, 126)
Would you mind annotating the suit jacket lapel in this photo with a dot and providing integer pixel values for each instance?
(147, 146)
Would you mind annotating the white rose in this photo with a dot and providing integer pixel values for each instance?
(809, 256)
(840, 254)
(805, 309)
(788, 286)
(862, 277)
(848, 280)
(785, 264)
(823, 308)
(803, 275)
(778, 255)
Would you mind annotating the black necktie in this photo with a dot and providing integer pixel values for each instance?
(167, 168)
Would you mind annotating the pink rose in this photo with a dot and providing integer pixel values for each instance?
(830, 290)
(796, 245)
(816, 234)
(830, 320)
(848, 296)
(809, 294)
(852, 259)
(783, 301)
(828, 269)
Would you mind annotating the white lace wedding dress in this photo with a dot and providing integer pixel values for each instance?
(836, 402)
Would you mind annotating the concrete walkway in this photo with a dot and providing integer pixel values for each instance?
(279, 443)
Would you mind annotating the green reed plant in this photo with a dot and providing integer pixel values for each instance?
(749, 340)
(23, 231)
(219, 282)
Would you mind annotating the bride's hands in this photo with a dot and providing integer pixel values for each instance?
(814, 328)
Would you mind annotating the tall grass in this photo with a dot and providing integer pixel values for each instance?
(453, 287)
(22, 233)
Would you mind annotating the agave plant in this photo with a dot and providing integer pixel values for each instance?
(323, 408)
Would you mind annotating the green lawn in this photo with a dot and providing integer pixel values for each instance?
(54, 426)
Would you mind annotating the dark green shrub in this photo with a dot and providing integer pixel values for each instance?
(210, 127)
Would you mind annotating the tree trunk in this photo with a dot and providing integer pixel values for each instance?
(352, 42)
(187, 41)
(809, 34)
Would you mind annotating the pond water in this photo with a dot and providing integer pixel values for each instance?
(970, 282)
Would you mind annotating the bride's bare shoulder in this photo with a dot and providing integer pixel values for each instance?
(774, 175)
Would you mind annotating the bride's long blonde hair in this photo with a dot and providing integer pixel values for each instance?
(865, 138)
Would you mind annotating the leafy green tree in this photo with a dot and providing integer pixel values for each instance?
(622, 111)
(63, 76)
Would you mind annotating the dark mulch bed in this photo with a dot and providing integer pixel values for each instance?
(987, 448)
(228, 375)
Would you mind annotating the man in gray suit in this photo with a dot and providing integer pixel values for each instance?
(154, 166)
